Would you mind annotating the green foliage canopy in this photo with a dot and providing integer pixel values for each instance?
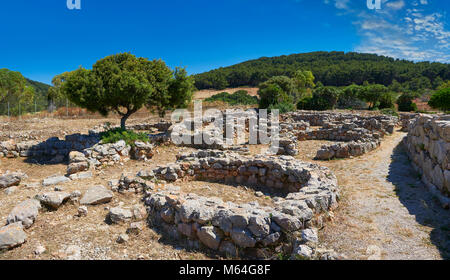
(441, 99)
(124, 83)
(331, 69)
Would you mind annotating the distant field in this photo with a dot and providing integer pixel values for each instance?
(203, 94)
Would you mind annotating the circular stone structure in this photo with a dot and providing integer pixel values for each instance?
(286, 227)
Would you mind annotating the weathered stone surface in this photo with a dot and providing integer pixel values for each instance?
(119, 215)
(310, 236)
(428, 147)
(81, 175)
(228, 248)
(77, 167)
(209, 236)
(243, 238)
(96, 195)
(10, 190)
(53, 199)
(259, 226)
(26, 212)
(302, 252)
(75, 157)
(10, 180)
(12, 236)
(82, 211)
(287, 222)
(55, 180)
(271, 239)
(135, 228)
(139, 212)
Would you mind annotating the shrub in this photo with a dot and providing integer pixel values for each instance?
(117, 134)
(272, 94)
(350, 98)
(240, 97)
(324, 98)
(283, 107)
(373, 95)
(406, 104)
(387, 100)
(389, 112)
(441, 100)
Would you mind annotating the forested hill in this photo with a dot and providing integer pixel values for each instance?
(331, 69)
(40, 88)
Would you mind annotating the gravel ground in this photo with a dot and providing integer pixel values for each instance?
(386, 211)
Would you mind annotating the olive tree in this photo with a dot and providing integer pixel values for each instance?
(124, 83)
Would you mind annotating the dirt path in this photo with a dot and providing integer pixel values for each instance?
(386, 211)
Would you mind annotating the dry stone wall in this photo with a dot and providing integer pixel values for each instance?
(82, 151)
(241, 229)
(428, 146)
(359, 134)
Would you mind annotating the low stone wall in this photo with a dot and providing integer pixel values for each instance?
(82, 151)
(54, 148)
(428, 146)
(241, 229)
(384, 122)
(361, 134)
(405, 120)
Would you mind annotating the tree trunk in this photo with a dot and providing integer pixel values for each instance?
(124, 120)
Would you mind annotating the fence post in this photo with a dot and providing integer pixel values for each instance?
(8, 111)
(67, 107)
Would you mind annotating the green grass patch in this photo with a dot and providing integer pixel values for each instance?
(117, 134)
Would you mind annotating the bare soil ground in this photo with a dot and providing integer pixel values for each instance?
(385, 212)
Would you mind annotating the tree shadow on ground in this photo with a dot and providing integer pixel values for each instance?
(56, 151)
(414, 195)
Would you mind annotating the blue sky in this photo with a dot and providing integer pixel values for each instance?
(44, 38)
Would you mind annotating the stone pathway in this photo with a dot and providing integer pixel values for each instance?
(386, 211)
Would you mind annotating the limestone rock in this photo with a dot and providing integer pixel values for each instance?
(119, 215)
(82, 211)
(309, 236)
(209, 236)
(53, 199)
(243, 238)
(55, 180)
(302, 252)
(26, 212)
(10, 180)
(12, 236)
(96, 195)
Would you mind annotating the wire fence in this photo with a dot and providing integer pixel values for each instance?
(40, 109)
(60, 109)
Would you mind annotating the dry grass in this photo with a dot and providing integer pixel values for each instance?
(203, 94)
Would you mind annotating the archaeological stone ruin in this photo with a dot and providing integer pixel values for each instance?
(301, 195)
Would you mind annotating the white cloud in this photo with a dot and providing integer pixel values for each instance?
(396, 5)
(339, 4)
(402, 30)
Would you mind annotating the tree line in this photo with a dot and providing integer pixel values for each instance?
(300, 92)
(331, 69)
